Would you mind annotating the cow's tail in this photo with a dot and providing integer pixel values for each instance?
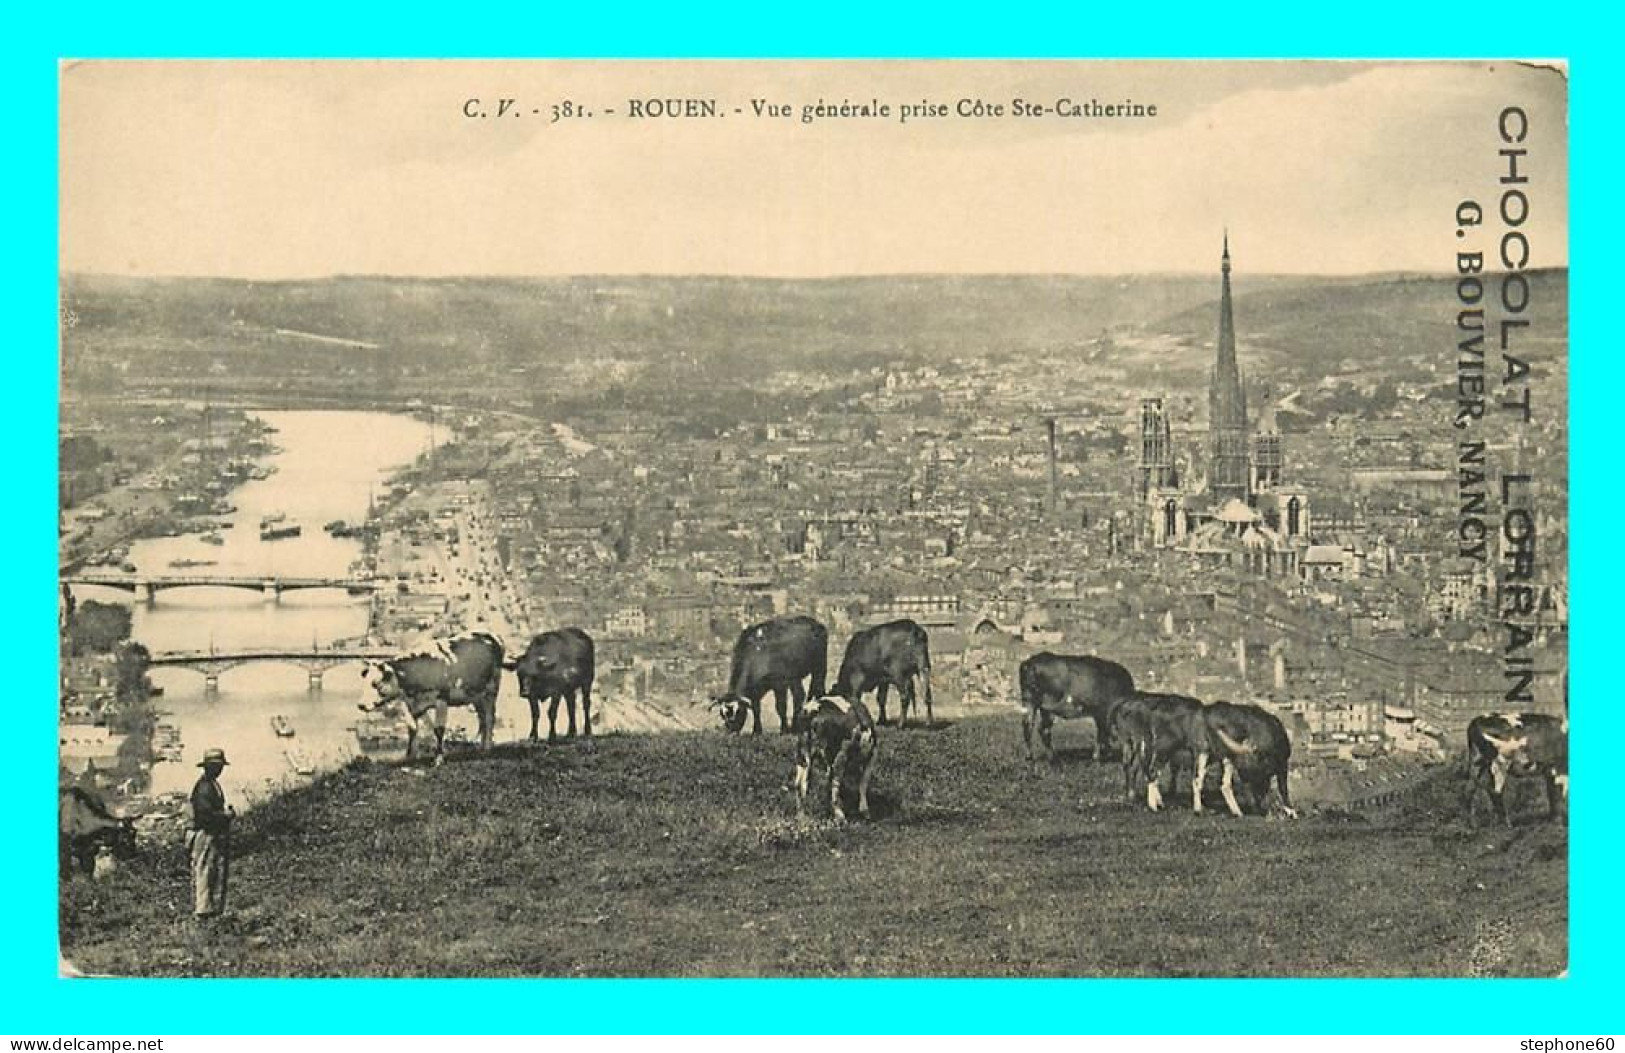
(820, 673)
(925, 669)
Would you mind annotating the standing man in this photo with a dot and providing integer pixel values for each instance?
(210, 838)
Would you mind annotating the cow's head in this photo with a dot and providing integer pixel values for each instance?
(732, 709)
(380, 685)
(122, 839)
(529, 669)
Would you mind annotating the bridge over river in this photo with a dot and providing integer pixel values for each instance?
(316, 660)
(147, 587)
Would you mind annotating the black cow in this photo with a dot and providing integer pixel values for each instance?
(773, 656)
(1070, 686)
(1522, 744)
(463, 670)
(557, 665)
(837, 734)
(884, 656)
(1248, 741)
(84, 826)
(1155, 729)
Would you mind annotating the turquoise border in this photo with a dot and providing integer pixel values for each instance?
(34, 1001)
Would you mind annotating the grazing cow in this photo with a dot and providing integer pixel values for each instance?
(773, 656)
(557, 665)
(1520, 744)
(1247, 741)
(1153, 729)
(1070, 686)
(884, 656)
(463, 670)
(838, 735)
(84, 826)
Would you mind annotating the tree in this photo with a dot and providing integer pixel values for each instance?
(99, 627)
(130, 672)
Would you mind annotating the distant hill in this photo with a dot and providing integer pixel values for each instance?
(1377, 327)
(797, 322)
(672, 333)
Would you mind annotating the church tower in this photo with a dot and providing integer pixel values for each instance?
(1157, 470)
(1228, 468)
(1267, 462)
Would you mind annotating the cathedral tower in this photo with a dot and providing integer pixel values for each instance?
(1227, 407)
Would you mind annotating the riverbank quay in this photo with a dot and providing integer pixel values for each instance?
(129, 471)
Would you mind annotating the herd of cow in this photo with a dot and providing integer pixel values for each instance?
(788, 657)
(1152, 733)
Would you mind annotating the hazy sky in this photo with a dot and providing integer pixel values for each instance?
(297, 169)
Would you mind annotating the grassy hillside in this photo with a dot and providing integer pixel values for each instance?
(680, 855)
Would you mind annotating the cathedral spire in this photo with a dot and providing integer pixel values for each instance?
(1227, 404)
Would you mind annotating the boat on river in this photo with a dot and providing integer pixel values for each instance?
(280, 725)
(276, 527)
(300, 761)
(182, 564)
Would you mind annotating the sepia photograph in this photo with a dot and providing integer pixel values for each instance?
(767, 518)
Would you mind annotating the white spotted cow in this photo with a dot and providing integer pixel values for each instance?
(839, 736)
(462, 670)
(1503, 744)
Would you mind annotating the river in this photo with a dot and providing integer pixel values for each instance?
(331, 463)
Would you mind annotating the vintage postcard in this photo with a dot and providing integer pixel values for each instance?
(837, 518)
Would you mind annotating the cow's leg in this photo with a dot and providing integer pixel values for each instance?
(781, 705)
(1551, 795)
(866, 757)
(586, 710)
(1046, 726)
(1498, 782)
(1280, 784)
(1027, 715)
(439, 731)
(1197, 780)
(535, 717)
(570, 709)
(756, 715)
(1147, 767)
(798, 702)
(487, 711)
(1227, 785)
(880, 698)
(906, 690)
(803, 764)
(1475, 775)
(925, 683)
(837, 774)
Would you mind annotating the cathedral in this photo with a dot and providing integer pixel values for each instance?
(1242, 512)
